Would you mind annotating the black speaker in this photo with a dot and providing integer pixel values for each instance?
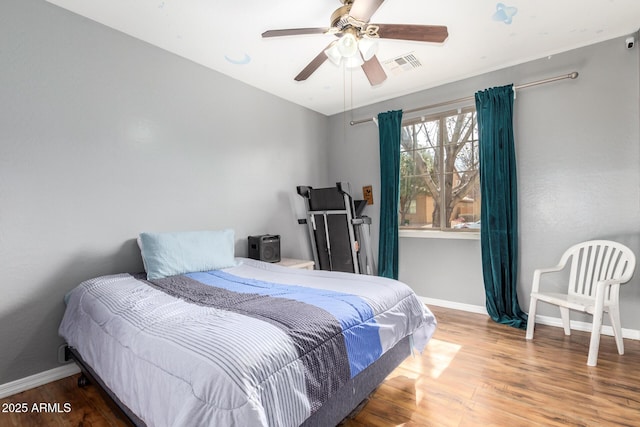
(265, 248)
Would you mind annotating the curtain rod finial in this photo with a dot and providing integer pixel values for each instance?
(573, 75)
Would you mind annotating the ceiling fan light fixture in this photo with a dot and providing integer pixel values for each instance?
(333, 53)
(348, 45)
(368, 47)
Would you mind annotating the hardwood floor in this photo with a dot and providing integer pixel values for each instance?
(474, 372)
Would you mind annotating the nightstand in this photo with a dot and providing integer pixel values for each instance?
(296, 263)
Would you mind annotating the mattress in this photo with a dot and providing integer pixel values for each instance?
(255, 344)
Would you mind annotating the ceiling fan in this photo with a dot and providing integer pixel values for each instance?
(356, 43)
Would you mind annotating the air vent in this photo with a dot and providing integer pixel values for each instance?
(402, 64)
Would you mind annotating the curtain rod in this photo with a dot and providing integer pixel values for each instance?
(573, 75)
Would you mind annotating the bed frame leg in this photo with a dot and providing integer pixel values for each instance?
(83, 381)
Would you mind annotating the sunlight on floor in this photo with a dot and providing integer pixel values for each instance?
(438, 355)
(415, 376)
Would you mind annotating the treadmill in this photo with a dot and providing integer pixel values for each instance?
(339, 233)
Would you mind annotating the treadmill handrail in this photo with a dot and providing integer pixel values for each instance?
(328, 212)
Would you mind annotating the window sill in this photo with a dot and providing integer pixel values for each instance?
(430, 234)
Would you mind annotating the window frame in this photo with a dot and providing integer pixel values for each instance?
(443, 231)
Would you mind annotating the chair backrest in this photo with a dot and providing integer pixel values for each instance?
(597, 260)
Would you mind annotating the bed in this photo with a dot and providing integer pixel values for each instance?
(245, 343)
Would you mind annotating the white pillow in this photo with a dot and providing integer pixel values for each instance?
(169, 254)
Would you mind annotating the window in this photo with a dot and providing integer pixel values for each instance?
(439, 172)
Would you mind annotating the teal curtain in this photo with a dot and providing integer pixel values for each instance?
(499, 205)
(389, 127)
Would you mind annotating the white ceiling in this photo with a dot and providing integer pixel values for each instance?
(226, 36)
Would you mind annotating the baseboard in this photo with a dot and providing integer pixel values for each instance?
(633, 334)
(455, 305)
(37, 380)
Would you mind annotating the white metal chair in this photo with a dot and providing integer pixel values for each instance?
(598, 268)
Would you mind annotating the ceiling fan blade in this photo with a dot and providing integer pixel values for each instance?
(419, 33)
(313, 65)
(294, 32)
(362, 10)
(374, 71)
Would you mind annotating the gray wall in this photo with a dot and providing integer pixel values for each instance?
(578, 154)
(103, 136)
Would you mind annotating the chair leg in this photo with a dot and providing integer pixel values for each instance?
(566, 321)
(594, 344)
(614, 315)
(531, 320)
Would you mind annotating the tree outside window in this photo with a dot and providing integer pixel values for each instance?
(439, 172)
